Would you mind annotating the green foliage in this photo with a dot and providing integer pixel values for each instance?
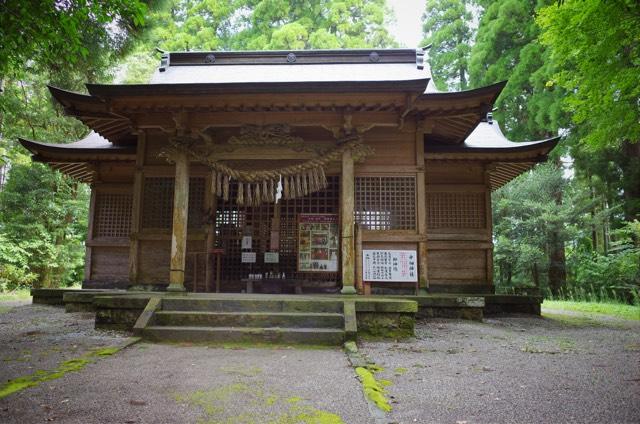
(594, 45)
(62, 34)
(630, 312)
(447, 27)
(179, 25)
(43, 220)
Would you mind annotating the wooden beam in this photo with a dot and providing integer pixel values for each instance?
(347, 187)
(489, 224)
(179, 226)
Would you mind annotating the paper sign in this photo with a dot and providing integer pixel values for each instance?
(248, 257)
(390, 265)
(317, 242)
(271, 257)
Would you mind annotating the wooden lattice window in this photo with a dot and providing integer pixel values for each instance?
(456, 210)
(232, 219)
(385, 203)
(112, 215)
(157, 210)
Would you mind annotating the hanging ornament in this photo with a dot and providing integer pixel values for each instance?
(240, 196)
(225, 188)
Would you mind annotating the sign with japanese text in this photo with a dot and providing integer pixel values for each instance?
(390, 265)
(248, 257)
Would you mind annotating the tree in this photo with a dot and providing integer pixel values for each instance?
(506, 48)
(57, 34)
(263, 25)
(447, 28)
(595, 48)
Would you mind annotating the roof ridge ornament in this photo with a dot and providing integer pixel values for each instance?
(420, 58)
(165, 60)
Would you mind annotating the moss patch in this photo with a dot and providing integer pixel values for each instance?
(374, 389)
(72, 365)
(279, 409)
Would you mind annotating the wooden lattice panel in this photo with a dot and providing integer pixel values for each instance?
(231, 220)
(456, 210)
(112, 215)
(157, 210)
(385, 203)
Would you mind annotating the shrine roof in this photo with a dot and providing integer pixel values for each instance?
(487, 143)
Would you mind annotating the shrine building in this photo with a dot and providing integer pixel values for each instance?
(319, 171)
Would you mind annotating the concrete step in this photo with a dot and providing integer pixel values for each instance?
(250, 319)
(267, 304)
(278, 335)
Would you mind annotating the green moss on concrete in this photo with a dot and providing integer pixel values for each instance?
(373, 389)
(400, 371)
(281, 410)
(396, 326)
(71, 365)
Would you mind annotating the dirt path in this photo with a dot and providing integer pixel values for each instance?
(517, 369)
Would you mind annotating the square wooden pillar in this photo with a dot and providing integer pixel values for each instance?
(347, 192)
(421, 199)
(136, 211)
(179, 226)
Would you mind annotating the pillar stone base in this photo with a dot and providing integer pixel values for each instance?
(348, 290)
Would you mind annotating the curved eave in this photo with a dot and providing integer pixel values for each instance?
(504, 163)
(94, 113)
(110, 91)
(453, 116)
(77, 161)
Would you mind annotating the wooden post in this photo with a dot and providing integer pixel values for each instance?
(359, 285)
(88, 250)
(346, 222)
(136, 211)
(211, 202)
(179, 227)
(489, 226)
(421, 201)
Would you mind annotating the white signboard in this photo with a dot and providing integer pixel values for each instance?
(248, 257)
(271, 257)
(246, 242)
(390, 265)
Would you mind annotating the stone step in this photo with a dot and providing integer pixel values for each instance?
(250, 319)
(252, 305)
(277, 335)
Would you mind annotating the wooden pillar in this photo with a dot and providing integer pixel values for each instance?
(179, 227)
(347, 186)
(489, 225)
(136, 211)
(211, 202)
(421, 200)
(88, 249)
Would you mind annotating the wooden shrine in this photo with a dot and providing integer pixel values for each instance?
(323, 171)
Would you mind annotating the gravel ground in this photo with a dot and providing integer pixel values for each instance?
(515, 369)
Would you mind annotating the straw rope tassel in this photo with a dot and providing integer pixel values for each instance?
(240, 197)
(305, 186)
(257, 198)
(249, 197)
(272, 192)
(285, 188)
(218, 184)
(323, 179)
(299, 186)
(225, 188)
(264, 191)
